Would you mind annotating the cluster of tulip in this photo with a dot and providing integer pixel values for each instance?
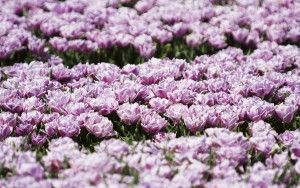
(46, 100)
(91, 26)
(218, 158)
(149, 93)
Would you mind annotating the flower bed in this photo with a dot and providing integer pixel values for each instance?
(229, 89)
(113, 31)
(218, 158)
(149, 93)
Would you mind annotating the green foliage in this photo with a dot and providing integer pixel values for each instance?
(177, 48)
(19, 57)
(130, 4)
(129, 133)
(247, 49)
(129, 171)
(40, 151)
(243, 128)
(287, 176)
(121, 56)
(181, 131)
(4, 172)
(280, 127)
(169, 156)
(87, 140)
(115, 55)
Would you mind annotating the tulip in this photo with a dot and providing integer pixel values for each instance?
(5, 131)
(24, 129)
(104, 105)
(38, 139)
(194, 123)
(129, 113)
(67, 126)
(32, 117)
(229, 119)
(286, 112)
(159, 104)
(176, 112)
(152, 122)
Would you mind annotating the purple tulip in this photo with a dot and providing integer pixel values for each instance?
(289, 137)
(180, 29)
(195, 72)
(261, 88)
(32, 117)
(67, 126)
(218, 85)
(8, 122)
(253, 38)
(24, 129)
(162, 35)
(145, 45)
(263, 137)
(99, 126)
(205, 99)
(276, 33)
(33, 103)
(240, 35)
(51, 128)
(77, 108)
(217, 41)
(114, 147)
(129, 113)
(213, 117)
(127, 69)
(229, 119)
(108, 73)
(60, 44)
(124, 40)
(60, 73)
(38, 139)
(159, 104)
(194, 39)
(183, 96)
(296, 150)
(104, 105)
(286, 112)
(127, 92)
(176, 112)
(144, 6)
(55, 60)
(8, 118)
(36, 45)
(293, 35)
(261, 112)
(196, 119)
(161, 136)
(34, 170)
(222, 98)
(152, 122)
(14, 105)
(5, 131)
(58, 100)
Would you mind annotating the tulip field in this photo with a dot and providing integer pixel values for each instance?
(149, 93)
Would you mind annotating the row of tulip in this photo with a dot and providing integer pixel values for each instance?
(219, 158)
(48, 100)
(149, 27)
